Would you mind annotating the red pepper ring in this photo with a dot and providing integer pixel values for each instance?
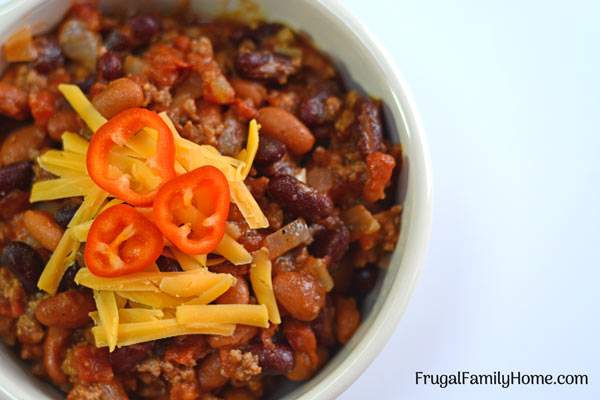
(121, 241)
(116, 132)
(191, 210)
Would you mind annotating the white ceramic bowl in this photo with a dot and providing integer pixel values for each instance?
(366, 67)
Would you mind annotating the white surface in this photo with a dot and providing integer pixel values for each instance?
(509, 94)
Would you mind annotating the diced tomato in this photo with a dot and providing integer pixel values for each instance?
(380, 167)
(42, 104)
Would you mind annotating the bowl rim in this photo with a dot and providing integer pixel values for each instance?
(385, 321)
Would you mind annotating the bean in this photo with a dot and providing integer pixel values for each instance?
(237, 294)
(65, 213)
(124, 359)
(300, 336)
(117, 41)
(68, 280)
(13, 101)
(24, 262)
(145, 27)
(283, 126)
(304, 367)
(13, 203)
(209, 373)
(299, 198)
(42, 227)
(110, 66)
(49, 56)
(321, 105)
(249, 90)
(332, 243)
(347, 318)
(15, 176)
(364, 279)
(270, 150)
(242, 335)
(186, 350)
(61, 121)
(274, 360)
(367, 129)
(22, 144)
(66, 310)
(265, 65)
(119, 95)
(55, 346)
(167, 264)
(300, 294)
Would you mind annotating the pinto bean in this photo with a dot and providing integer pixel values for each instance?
(300, 294)
(265, 65)
(237, 294)
(24, 262)
(42, 227)
(15, 176)
(55, 346)
(119, 95)
(242, 335)
(22, 144)
(61, 121)
(13, 101)
(299, 198)
(270, 150)
(249, 90)
(347, 318)
(285, 127)
(209, 373)
(68, 309)
(274, 360)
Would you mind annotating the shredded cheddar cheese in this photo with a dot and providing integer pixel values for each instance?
(108, 314)
(251, 147)
(82, 106)
(246, 314)
(260, 277)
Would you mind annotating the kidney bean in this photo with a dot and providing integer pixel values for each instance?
(299, 198)
(364, 279)
(117, 41)
(13, 101)
(124, 359)
(266, 65)
(110, 66)
(65, 213)
(68, 280)
(249, 90)
(242, 335)
(24, 262)
(324, 325)
(300, 294)
(61, 121)
(347, 318)
(66, 310)
(321, 105)
(15, 176)
(274, 360)
(167, 264)
(237, 294)
(119, 95)
(55, 346)
(13, 203)
(22, 144)
(332, 243)
(209, 373)
(42, 227)
(145, 27)
(283, 126)
(367, 128)
(49, 56)
(270, 150)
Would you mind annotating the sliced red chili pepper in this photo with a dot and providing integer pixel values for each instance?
(121, 241)
(115, 132)
(191, 210)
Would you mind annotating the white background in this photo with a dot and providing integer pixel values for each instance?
(509, 92)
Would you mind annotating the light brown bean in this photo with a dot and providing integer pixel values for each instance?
(286, 128)
(209, 373)
(237, 294)
(42, 227)
(21, 145)
(66, 310)
(55, 347)
(347, 318)
(119, 95)
(253, 91)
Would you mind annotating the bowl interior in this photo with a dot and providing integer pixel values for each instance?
(364, 68)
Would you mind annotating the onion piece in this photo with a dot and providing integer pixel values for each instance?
(360, 221)
(288, 237)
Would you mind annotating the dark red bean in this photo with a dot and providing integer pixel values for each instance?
(299, 198)
(13, 203)
(109, 66)
(117, 41)
(321, 105)
(332, 243)
(64, 214)
(367, 128)
(124, 359)
(276, 360)
(145, 27)
(265, 65)
(270, 150)
(49, 56)
(167, 264)
(364, 279)
(68, 280)
(24, 262)
(265, 30)
(15, 176)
